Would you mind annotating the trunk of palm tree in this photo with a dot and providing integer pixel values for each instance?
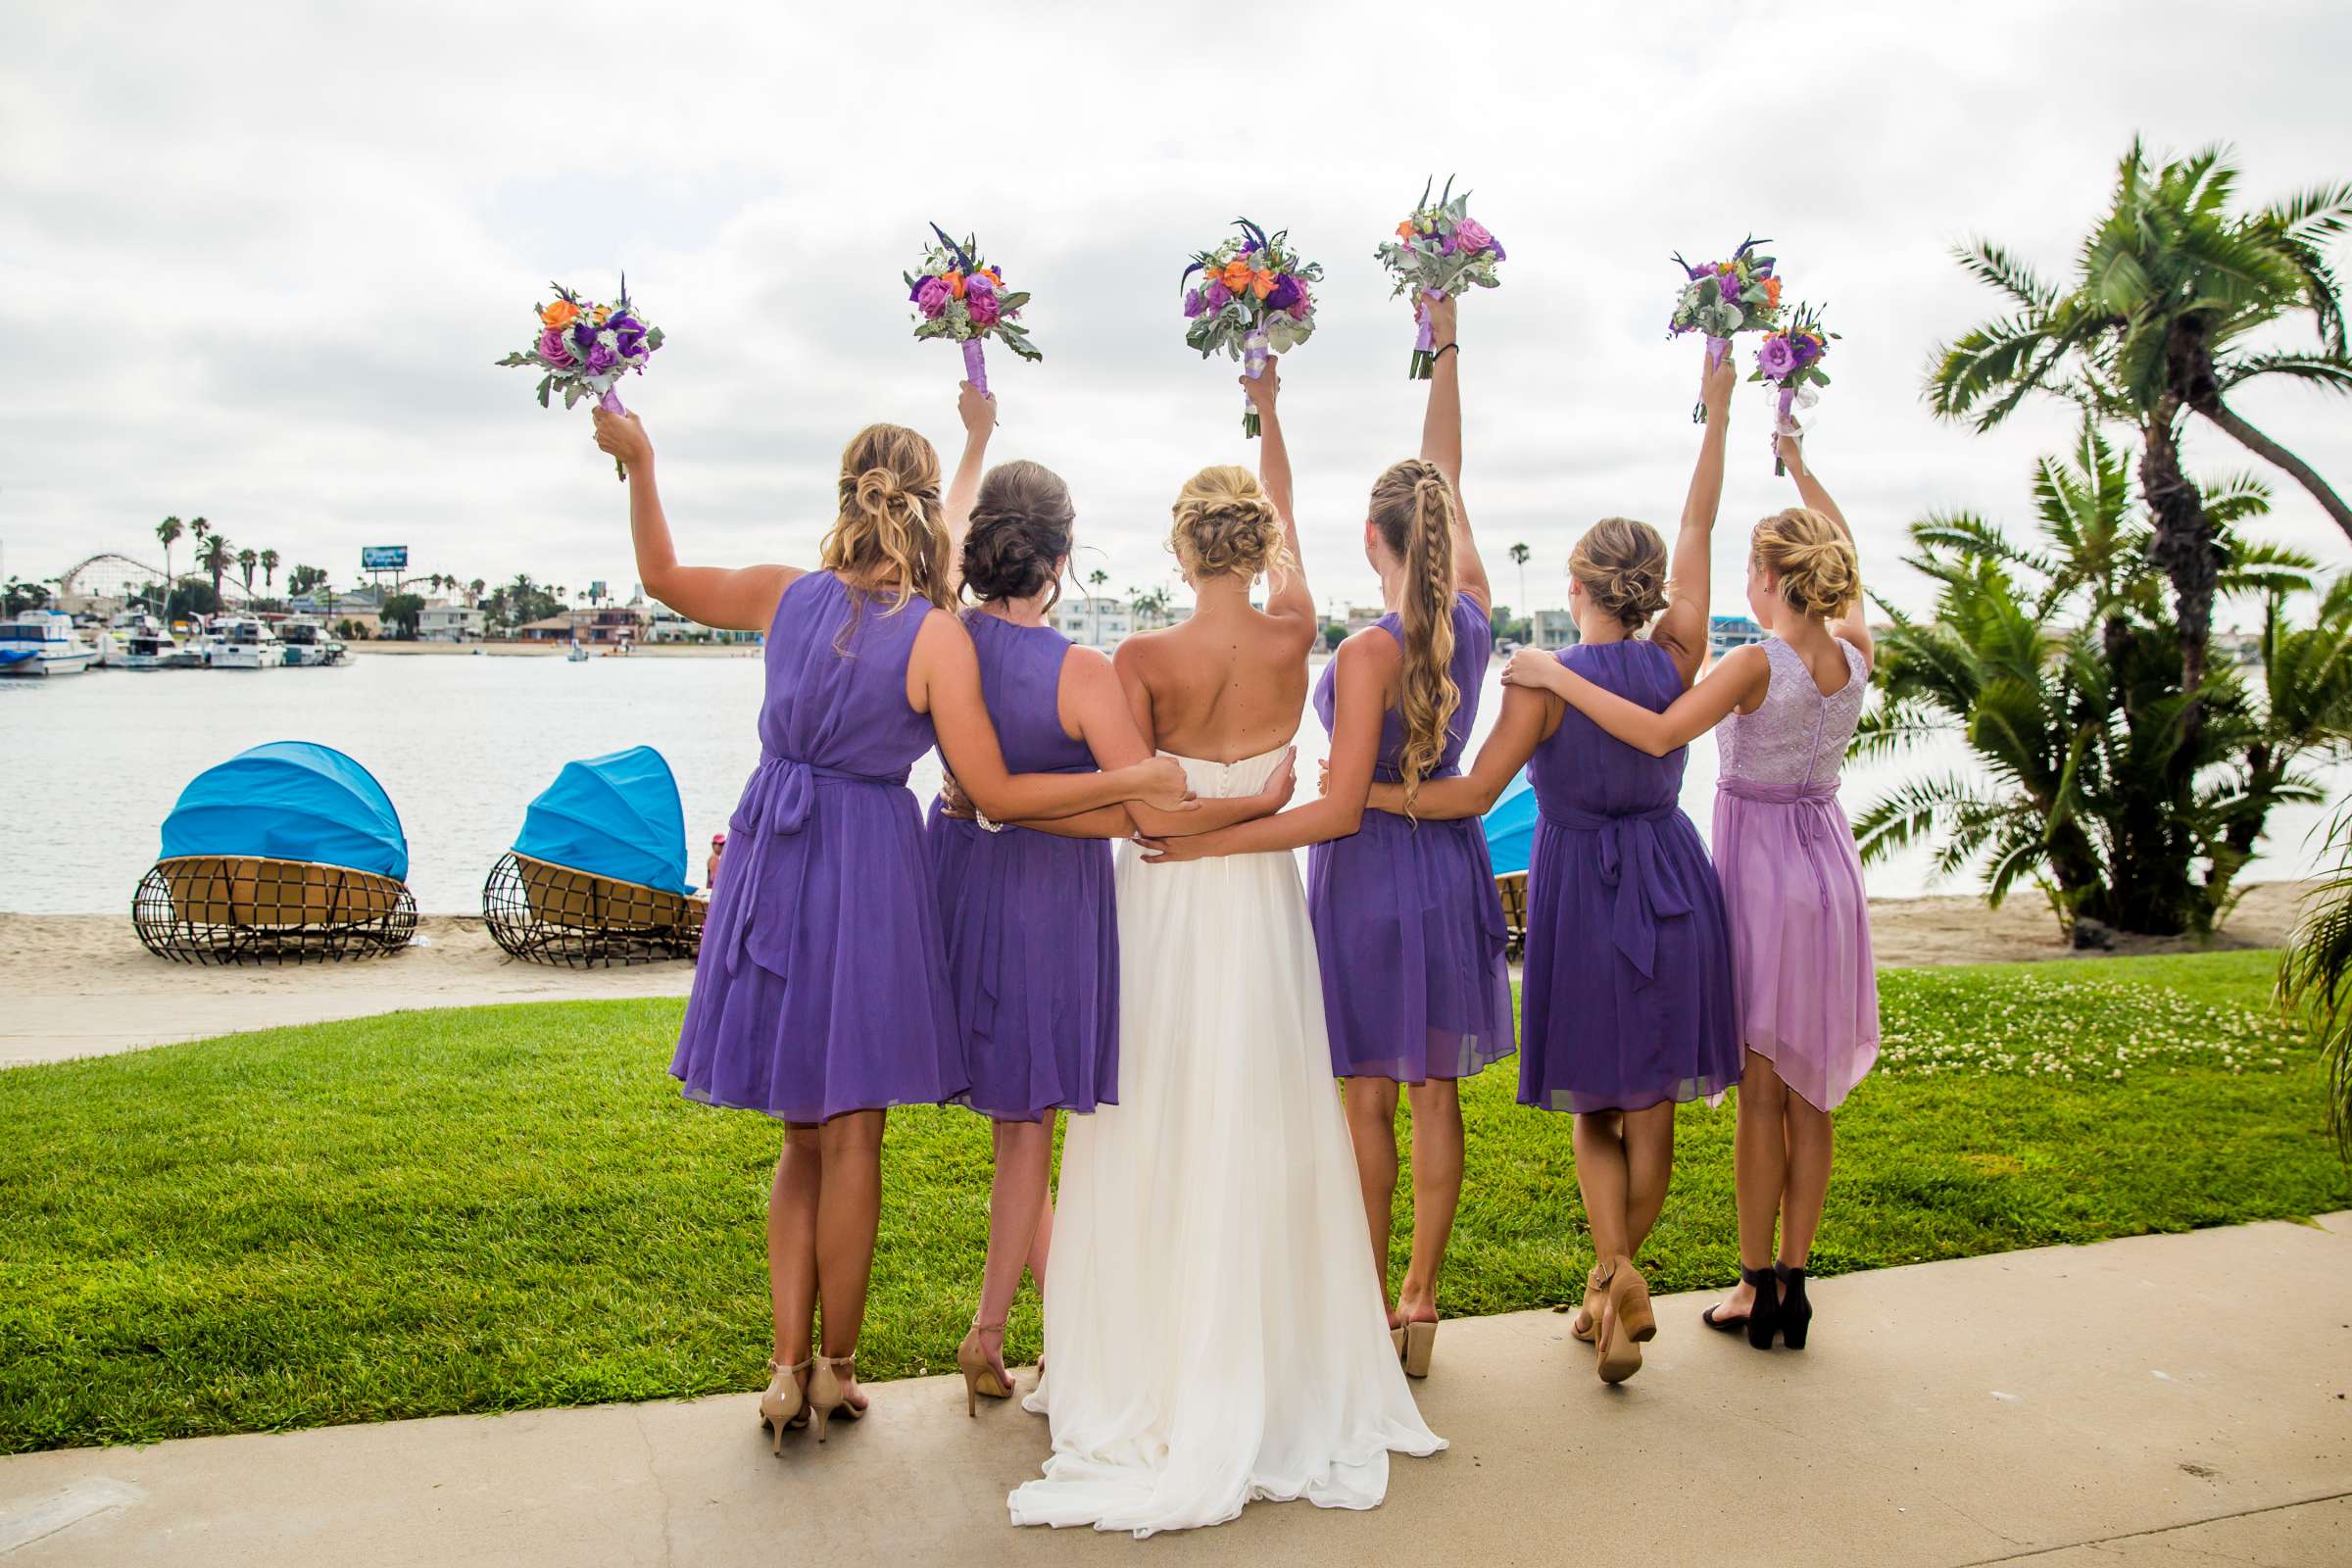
(2269, 451)
(2185, 549)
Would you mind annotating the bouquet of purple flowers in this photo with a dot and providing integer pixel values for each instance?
(1721, 298)
(1251, 301)
(1439, 251)
(1790, 359)
(585, 348)
(961, 298)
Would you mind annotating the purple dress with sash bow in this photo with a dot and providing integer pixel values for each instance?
(1627, 997)
(1032, 934)
(1408, 927)
(822, 986)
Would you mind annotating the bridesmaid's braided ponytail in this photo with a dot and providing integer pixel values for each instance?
(1412, 507)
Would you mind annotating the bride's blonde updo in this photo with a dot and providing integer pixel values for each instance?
(1226, 526)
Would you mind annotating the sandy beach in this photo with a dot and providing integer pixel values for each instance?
(81, 984)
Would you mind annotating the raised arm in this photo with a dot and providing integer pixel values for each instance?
(1287, 593)
(1519, 728)
(943, 679)
(1366, 668)
(734, 599)
(1854, 624)
(978, 411)
(1683, 629)
(1738, 681)
(1442, 442)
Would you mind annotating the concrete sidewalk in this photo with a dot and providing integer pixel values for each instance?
(2164, 1399)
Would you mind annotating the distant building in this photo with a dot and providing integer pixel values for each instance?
(1094, 621)
(663, 624)
(450, 623)
(1727, 632)
(1361, 615)
(1556, 628)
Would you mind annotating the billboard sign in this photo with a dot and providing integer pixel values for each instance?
(383, 558)
(596, 590)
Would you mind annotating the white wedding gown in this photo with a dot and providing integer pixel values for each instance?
(1213, 1330)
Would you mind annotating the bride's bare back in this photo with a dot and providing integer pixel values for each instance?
(1226, 684)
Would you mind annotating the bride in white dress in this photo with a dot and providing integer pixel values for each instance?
(1213, 1334)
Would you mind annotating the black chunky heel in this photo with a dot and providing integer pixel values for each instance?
(1763, 1318)
(1796, 1312)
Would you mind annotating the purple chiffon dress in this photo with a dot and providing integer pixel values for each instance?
(1627, 997)
(1800, 921)
(821, 987)
(1032, 935)
(1408, 926)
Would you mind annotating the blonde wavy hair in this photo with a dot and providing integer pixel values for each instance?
(1225, 524)
(890, 528)
(1820, 574)
(1622, 565)
(1412, 507)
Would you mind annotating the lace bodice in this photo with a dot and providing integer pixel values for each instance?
(1797, 738)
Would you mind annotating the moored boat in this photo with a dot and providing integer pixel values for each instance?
(42, 642)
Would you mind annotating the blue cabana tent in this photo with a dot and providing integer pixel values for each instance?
(290, 800)
(616, 817)
(1510, 824)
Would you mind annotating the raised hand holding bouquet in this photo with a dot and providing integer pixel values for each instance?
(1790, 359)
(1251, 300)
(1723, 298)
(960, 297)
(585, 348)
(1439, 251)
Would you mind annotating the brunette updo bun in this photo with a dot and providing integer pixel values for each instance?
(1020, 534)
(1622, 565)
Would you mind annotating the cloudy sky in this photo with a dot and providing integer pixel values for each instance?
(256, 260)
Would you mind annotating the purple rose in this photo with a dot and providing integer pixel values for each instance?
(1728, 285)
(1472, 236)
(1778, 358)
(1299, 310)
(554, 350)
(982, 304)
(930, 297)
(1285, 293)
(1808, 351)
(583, 336)
(1217, 295)
(601, 360)
(1194, 304)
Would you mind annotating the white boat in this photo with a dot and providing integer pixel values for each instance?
(146, 643)
(242, 642)
(309, 645)
(576, 655)
(41, 642)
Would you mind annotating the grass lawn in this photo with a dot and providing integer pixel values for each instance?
(510, 1207)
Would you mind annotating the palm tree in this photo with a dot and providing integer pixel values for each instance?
(168, 530)
(2169, 289)
(474, 592)
(247, 561)
(216, 557)
(1519, 554)
(269, 566)
(1094, 604)
(2317, 977)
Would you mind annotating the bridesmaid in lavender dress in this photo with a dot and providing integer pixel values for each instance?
(1627, 997)
(820, 998)
(1032, 938)
(1408, 927)
(1800, 923)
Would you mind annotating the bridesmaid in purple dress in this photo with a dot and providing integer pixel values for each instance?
(1800, 921)
(1031, 934)
(820, 998)
(1408, 927)
(1627, 996)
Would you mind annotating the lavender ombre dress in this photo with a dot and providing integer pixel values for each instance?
(1032, 936)
(821, 985)
(1627, 996)
(1408, 927)
(1801, 922)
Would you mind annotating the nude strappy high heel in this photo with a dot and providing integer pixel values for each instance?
(783, 1405)
(1623, 1315)
(981, 1379)
(825, 1397)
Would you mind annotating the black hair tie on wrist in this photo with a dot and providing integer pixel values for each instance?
(1450, 348)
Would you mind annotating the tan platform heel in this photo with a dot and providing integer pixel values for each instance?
(1631, 1291)
(1420, 1343)
(981, 1379)
(1616, 1355)
(783, 1405)
(826, 1398)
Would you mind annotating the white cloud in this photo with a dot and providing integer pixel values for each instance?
(257, 260)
